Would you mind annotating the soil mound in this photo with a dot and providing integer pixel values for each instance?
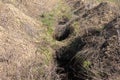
(96, 17)
(99, 15)
(94, 55)
(18, 32)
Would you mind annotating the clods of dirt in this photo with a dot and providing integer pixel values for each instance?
(91, 56)
(97, 17)
(94, 55)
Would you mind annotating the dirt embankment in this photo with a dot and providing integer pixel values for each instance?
(95, 54)
(21, 40)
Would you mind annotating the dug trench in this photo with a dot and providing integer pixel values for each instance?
(95, 55)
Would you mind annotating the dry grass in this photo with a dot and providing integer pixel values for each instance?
(25, 52)
(33, 8)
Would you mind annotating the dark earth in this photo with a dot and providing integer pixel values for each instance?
(95, 54)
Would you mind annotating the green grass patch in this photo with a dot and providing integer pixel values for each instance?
(86, 64)
(50, 18)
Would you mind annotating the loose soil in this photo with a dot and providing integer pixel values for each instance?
(95, 54)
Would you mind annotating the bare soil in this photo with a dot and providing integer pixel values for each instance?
(95, 54)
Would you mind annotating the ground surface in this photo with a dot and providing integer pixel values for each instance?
(29, 51)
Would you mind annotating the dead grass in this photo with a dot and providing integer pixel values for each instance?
(25, 52)
(33, 8)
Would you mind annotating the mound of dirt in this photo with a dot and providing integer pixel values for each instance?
(87, 18)
(18, 34)
(94, 55)
(99, 15)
